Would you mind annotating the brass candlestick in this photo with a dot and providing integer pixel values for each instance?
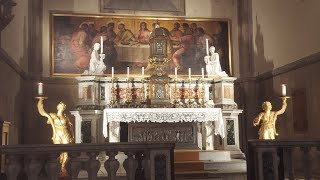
(128, 93)
(113, 100)
(190, 94)
(143, 98)
(202, 94)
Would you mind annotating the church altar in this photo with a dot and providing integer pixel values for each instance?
(113, 116)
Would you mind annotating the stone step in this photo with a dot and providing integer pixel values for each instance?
(201, 155)
(235, 165)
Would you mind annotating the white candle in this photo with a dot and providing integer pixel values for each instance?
(207, 46)
(142, 72)
(189, 73)
(112, 72)
(202, 73)
(283, 90)
(128, 72)
(40, 89)
(101, 44)
(175, 73)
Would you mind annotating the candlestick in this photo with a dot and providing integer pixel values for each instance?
(175, 73)
(40, 89)
(101, 44)
(202, 73)
(207, 46)
(189, 73)
(128, 72)
(142, 72)
(283, 90)
(112, 72)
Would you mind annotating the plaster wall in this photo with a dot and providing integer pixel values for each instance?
(194, 9)
(284, 31)
(14, 38)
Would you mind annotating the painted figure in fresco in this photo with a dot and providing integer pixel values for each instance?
(176, 34)
(213, 66)
(185, 49)
(80, 47)
(268, 119)
(62, 128)
(124, 36)
(143, 35)
(97, 65)
(200, 46)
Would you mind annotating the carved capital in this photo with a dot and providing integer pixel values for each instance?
(6, 15)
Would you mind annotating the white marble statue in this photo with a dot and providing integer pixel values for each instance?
(213, 66)
(96, 65)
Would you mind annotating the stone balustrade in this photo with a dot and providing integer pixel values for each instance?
(282, 159)
(143, 161)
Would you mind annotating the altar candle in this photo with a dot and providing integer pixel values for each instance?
(175, 73)
(190, 73)
(112, 72)
(283, 90)
(142, 72)
(207, 46)
(202, 73)
(101, 43)
(40, 89)
(128, 72)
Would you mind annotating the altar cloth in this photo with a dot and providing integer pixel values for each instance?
(164, 115)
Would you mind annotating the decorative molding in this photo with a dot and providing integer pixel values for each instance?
(6, 15)
(308, 60)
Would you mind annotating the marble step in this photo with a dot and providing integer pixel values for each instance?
(201, 155)
(234, 165)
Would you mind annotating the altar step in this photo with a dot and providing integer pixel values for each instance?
(199, 164)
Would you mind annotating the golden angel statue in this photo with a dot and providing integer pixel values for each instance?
(62, 129)
(268, 119)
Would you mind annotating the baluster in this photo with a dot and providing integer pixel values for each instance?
(92, 165)
(288, 152)
(14, 167)
(306, 162)
(140, 172)
(146, 164)
(34, 167)
(130, 165)
(75, 165)
(112, 165)
(53, 167)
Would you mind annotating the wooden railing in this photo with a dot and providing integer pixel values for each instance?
(144, 161)
(277, 159)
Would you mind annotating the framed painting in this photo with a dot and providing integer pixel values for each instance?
(126, 42)
(144, 7)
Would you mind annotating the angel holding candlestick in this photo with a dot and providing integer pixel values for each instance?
(62, 129)
(268, 119)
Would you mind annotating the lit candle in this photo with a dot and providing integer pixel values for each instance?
(202, 73)
(283, 90)
(175, 73)
(128, 72)
(207, 46)
(189, 73)
(142, 72)
(101, 44)
(112, 72)
(40, 89)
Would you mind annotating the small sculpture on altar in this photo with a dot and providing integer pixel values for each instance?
(268, 119)
(62, 129)
(213, 66)
(96, 65)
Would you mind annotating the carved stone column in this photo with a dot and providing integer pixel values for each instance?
(75, 164)
(112, 165)
(92, 165)
(130, 165)
(34, 167)
(14, 166)
(53, 167)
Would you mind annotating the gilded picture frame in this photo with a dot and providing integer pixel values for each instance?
(144, 7)
(71, 45)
